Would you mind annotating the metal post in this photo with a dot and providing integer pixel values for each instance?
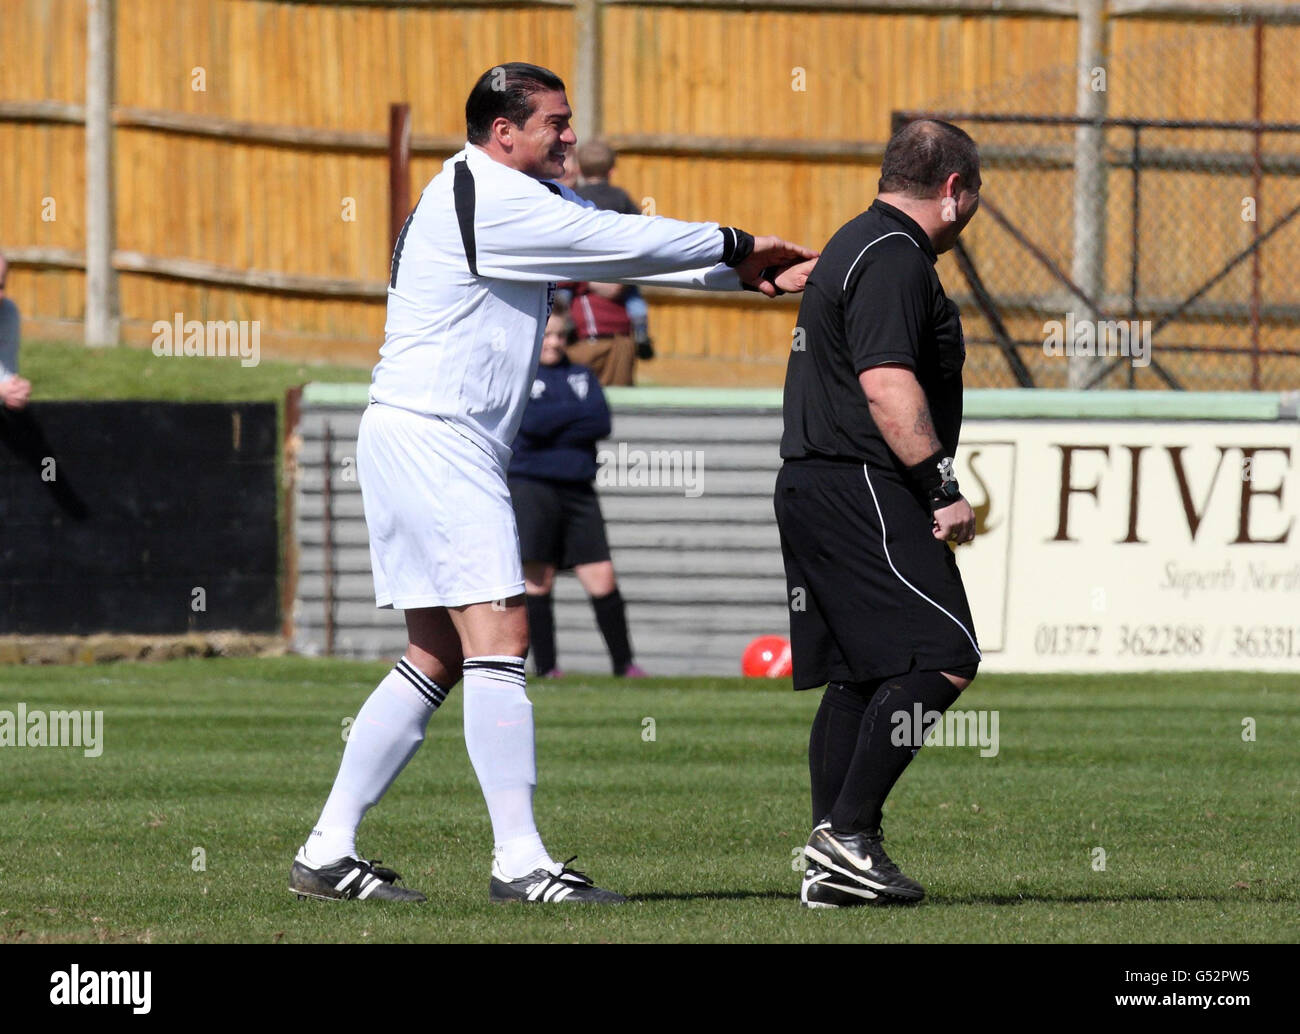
(1257, 186)
(1135, 239)
(102, 324)
(327, 536)
(289, 456)
(399, 170)
(1088, 267)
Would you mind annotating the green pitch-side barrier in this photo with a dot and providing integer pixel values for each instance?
(980, 403)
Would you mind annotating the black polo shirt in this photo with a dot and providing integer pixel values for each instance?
(874, 297)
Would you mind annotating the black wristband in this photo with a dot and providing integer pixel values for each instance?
(924, 477)
(769, 274)
(945, 495)
(737, 245)
(932, 479)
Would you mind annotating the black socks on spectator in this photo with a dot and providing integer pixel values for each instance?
(541, 632)
(612, 619)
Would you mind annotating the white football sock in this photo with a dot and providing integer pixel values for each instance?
(387, 732)
(499, 738)
(519, 856)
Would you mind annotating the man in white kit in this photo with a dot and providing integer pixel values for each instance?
(470, 288)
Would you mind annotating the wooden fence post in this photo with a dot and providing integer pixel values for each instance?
(399, 170)
(588, 114)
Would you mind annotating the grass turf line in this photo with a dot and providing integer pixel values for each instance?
(62, 371)
(700, 825)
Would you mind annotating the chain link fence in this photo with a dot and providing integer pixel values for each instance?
(1185, 224)
(1131, 253)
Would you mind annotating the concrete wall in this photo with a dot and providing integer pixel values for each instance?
(698, 562)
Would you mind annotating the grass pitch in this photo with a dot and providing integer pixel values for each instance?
(61, 370)
(213, 772)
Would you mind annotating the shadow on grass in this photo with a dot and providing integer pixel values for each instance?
(1103, 899)
(718, 895)
(978, 899)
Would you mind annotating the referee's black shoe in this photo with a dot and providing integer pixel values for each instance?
(825, 889)
(543, 887)
(861, 857)
(346, 879)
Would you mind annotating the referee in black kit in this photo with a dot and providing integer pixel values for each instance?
(867, 503)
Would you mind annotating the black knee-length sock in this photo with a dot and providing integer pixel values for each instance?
(833, 741)
(611, 616)
(877, 760)
(541, 631)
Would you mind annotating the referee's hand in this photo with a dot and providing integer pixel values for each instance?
(955, 523)
(771, 251)
(792, 278)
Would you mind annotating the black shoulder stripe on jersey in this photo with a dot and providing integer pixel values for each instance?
(463, 190)
(554, 188)
(401, 243)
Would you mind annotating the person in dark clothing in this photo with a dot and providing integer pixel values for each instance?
(551, 477)
(867, 502)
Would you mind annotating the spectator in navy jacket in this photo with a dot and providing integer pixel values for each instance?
(551, 479)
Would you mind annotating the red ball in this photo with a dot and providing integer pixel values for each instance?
(768, 656)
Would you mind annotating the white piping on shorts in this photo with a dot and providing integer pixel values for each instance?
(891, 233)
(923, 596)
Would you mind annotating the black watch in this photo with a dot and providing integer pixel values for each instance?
(947, 491)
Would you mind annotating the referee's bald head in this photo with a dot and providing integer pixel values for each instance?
(923, 154)
(931, 172)
(505, 91)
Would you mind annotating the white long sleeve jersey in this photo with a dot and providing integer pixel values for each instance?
(472, 279)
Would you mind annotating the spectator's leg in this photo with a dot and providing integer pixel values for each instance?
(594, 353)
(611, 615)
(621, 368)
(538, 580)
(638, 312)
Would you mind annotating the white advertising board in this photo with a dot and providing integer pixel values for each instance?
(1133, 545)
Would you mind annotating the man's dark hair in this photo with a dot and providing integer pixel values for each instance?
(923, 154)
(505, 91)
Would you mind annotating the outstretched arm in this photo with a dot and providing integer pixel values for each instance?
(544, 236)
(786, 267)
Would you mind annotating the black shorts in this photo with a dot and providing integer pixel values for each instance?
(871, 592)
(559, 522)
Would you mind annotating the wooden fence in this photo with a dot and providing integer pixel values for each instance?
(250, 136)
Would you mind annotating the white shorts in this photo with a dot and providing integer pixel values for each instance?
(442, 528)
